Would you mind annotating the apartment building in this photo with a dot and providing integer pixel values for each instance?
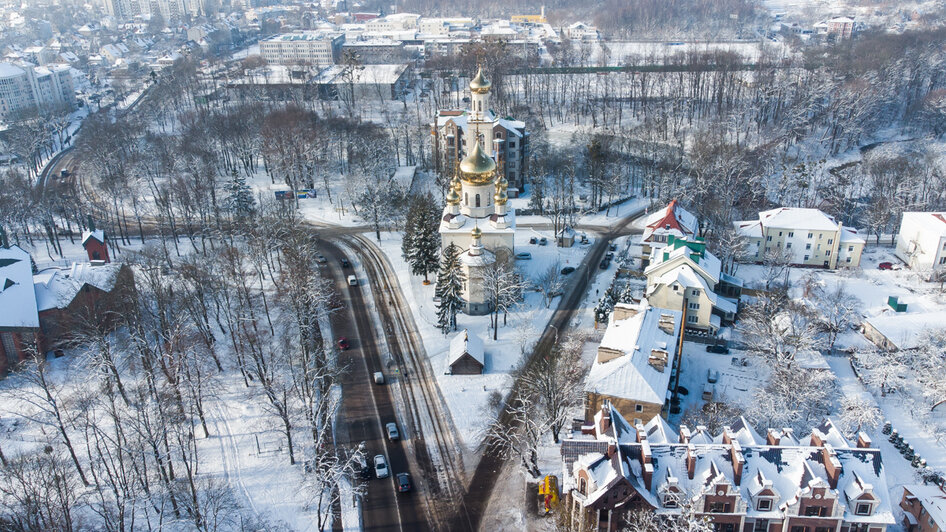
(26, 86)
(316, 48)
(921, 241)
(808, 237)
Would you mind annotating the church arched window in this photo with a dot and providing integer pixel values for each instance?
(466, 198)
(477, 200)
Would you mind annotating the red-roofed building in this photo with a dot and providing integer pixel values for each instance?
(95, 245)
(671, 220)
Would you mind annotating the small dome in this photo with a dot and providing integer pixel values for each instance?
(500, 197)
(502, 183)
(477, 232)
(453, 197)
(477, 162)
(480, 84)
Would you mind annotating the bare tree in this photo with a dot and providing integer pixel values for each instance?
(555, 380)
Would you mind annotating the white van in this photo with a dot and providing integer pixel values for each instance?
(378, 377)
(352, 280)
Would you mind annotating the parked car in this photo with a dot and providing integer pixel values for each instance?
(403, 482)
(885, 266)
(533, 240)
(343, 343)
(609, 255)
(584, 239)
(524, 255)
(345, 263)
(712, 376)
(605, 263)
(352, 280)
(391, 429)
(321, 259)
(613, 247)
(543, 241)
(378, 377)
(567, 270)
(718, 349)
(381, 467)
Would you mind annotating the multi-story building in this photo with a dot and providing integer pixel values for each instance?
(25, 86)
(503, 139)
(393, 23)
(808, 237)
(684, 276)
(374, 51)
(924, 508)
(921, 242)
(738, 480)
(316, 48)
(634, 362)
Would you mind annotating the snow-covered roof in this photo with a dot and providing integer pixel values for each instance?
(673, 219)
(850, 236)
(57, 287)
(17, 299)
(466, 343)
(798, 218)
(10, 70)
(484, 258)
(789, 470)
(364, 74)
(98, 234)
(665, 258)
(749, 228)
(933, 223)
(904, 329)
(632, 376)
(933, 499)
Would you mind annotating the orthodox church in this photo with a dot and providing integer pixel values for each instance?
(477, 218)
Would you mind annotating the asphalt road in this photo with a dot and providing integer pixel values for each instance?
(366, 407)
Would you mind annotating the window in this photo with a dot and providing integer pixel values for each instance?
(675, 288)
(718, 507)
(695, 292)
(466, 199)
(830, 240)
(799, 529)
(779, 233)
(850, 249)
(788, 245)
(827, 253)
(942, 260)
(724, 527)
(638, 408)
(693, 319)
(848, 260)
(670, 501)
(6, 340)
(583, 486)
(791, 234)
(694, 306)
(761, 525)
(806, 257)
(477, 200)
(863, 508)
(820, 235)
(815, 511)
(764, 505)
(768, 239)
(808, 245)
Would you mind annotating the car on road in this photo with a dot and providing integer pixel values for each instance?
(613, 247)
(567, 270)
(352, 280)
(378, 377)
(543, 241)
(381, 467)
(523, 255)
(609, 255)
(885, 266)
(343, 343)
(321, 259)
(345, 263)
(718, 349)
(533, 240)
(391, 429)
(604, 264)
(404, 482)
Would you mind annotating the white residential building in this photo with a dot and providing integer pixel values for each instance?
(921, 242)
(808, 236)
(24, 86)
(316, 48)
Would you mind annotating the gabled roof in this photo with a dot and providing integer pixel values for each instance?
(17, 299)
(98, 235)
(933, 499)
(798, 218)
(57, 287)
(673, 219)
(466, 343)
(707, 265)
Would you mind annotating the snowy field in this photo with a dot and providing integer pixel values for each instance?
(622, 52)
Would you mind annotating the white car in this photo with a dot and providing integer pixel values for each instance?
(381, 466)
(352, 280)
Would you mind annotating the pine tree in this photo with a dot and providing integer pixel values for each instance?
(239, 201)
(449, 289)
(421, 244)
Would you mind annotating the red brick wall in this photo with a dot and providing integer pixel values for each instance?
(96, 250)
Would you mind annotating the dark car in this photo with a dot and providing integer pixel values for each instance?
(567, 270)
(604, 264)
(613, 247)
(403, 482)
(885, 266)
(345, 263)
(343, 343)
(609, 255)
(533, 240)
(718, 349)
(543, 241)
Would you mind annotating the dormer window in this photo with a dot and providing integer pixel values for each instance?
(583, 486)
(863, 508)
(670, 500)
(764, 505)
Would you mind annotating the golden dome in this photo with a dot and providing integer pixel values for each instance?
(500, 197)
(477, 167)
(453, 197)
(480, 84)
(503, 183)
(476, 232)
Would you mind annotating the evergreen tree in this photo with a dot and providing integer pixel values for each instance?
(421, 244)
(239, 201)
(449, 289)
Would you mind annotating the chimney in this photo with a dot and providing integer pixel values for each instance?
(605, 422)
(727, 435)
(684, 434)
(612, 448)
(641, 434)
(658, 359)
(772, 437)
(816, 440)
(738, 462)
(623, 311)
(832, 465)
(863, 440)
(691, 460)
(666, 323)
(646, 464)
